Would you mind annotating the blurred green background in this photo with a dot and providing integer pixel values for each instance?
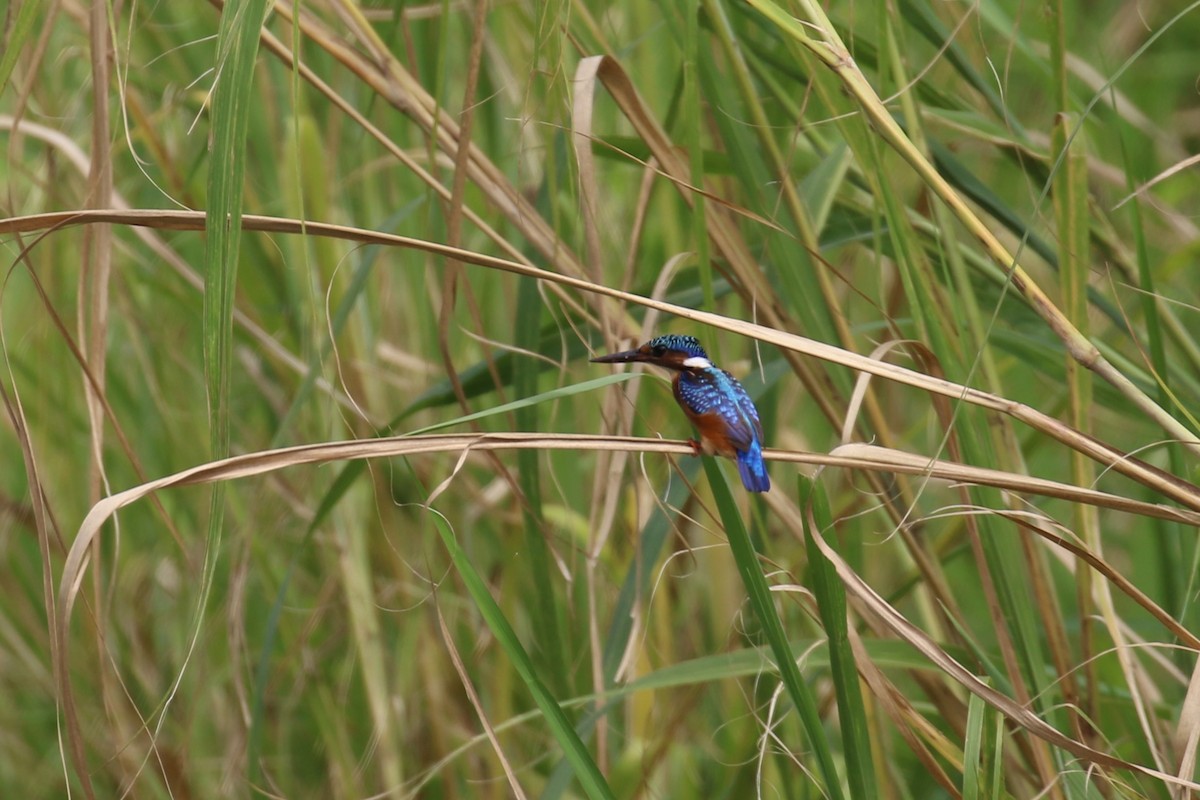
(569, 621)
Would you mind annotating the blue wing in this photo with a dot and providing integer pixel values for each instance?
(718, 393)
(715, 390)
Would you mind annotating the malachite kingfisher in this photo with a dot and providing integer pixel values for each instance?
(713, 400)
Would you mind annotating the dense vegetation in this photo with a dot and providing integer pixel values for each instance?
(311, 491)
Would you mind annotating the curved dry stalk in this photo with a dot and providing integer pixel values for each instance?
(864, 457)
(1156, 479)
(477, 704)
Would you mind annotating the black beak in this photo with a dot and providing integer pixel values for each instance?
(620, 358)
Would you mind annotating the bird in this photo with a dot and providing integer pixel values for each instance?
(714, 401)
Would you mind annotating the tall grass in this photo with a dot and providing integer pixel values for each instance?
(313, 493)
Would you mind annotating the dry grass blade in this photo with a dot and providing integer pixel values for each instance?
(915, 729)
(1170, 172)
(1162, 482)
(477, 704)
(94, 288)
(1187, 734)
(248, 465)
(97, 253)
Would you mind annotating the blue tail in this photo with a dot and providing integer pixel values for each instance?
(753, 469)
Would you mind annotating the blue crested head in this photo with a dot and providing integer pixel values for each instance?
(689, 345)
(672, 351)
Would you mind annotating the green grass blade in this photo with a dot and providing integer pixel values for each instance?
(237, 49)
(763, 604)
(1171, 541)
(541, 578)
(586, 771)
(972, 747)
(28, 13)
(831, 602)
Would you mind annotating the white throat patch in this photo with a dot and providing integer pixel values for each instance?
(696, 362)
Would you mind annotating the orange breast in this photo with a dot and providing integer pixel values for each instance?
(713, 436)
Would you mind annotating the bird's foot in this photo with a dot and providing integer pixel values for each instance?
(697, 448)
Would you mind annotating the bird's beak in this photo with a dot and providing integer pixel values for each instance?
(620, 358)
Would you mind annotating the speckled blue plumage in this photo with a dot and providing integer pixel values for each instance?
(709, 390)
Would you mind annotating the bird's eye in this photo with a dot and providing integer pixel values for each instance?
(659, 350)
